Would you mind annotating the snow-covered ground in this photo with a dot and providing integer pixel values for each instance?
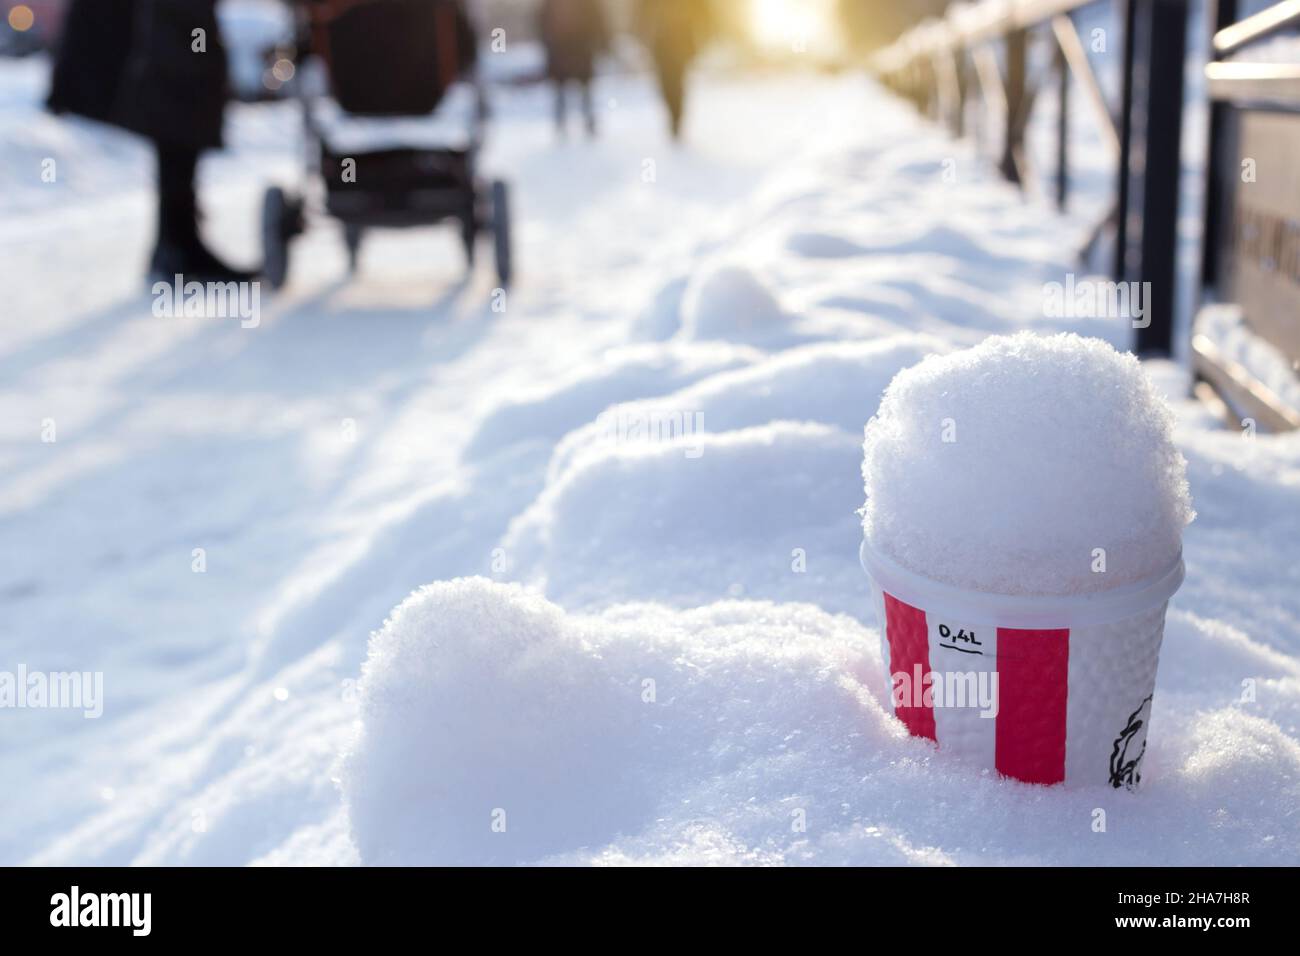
(667, 652)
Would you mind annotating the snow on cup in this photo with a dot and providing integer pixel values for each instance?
(1022, 535)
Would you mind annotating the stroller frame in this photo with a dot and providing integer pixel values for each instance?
(401, 187)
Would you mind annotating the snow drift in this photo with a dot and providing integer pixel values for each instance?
(496, 728)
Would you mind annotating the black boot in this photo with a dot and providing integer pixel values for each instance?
(179, 250)
(194, 261)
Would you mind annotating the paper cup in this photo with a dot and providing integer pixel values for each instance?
(1043, 689)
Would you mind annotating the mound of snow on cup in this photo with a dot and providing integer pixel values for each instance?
(1022, 531)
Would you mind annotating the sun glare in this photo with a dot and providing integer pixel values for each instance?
(793, 26)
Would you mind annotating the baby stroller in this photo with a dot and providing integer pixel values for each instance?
(389, 58)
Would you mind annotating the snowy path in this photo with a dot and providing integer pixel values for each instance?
(373, 436)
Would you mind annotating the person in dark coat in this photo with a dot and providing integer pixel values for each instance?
(156, 68)
(674, 31)
(575, 33)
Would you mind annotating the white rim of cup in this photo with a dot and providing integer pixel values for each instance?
(1029, 612)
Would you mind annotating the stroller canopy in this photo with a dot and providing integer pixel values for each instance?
(392, 57)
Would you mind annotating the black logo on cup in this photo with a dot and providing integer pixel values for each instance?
(1124, 770)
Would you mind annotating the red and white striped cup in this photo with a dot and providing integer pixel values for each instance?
(1043, 689)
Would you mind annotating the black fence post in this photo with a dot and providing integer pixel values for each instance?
(1120, 270)
(1165, 46)
(1220, 14)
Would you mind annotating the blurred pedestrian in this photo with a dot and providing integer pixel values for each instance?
(674, 31)
(575, 33)
(157, 68)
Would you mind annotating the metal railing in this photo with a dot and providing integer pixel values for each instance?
(1250, 252)
(1250, 255)
(937, 63)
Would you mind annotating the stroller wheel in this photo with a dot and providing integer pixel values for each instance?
(501, 230)
(280, 221)
(352, 236)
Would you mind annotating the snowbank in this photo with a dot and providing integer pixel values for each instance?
(681, 479)
(621, 375)
(825, 383)
(1226, 327)
(676, 520)
(730, 302)
(497, 728)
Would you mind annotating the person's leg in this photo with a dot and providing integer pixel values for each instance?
(588, 107)
(177, 207)
(179, 250)
(672, 82)
(560, 107)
